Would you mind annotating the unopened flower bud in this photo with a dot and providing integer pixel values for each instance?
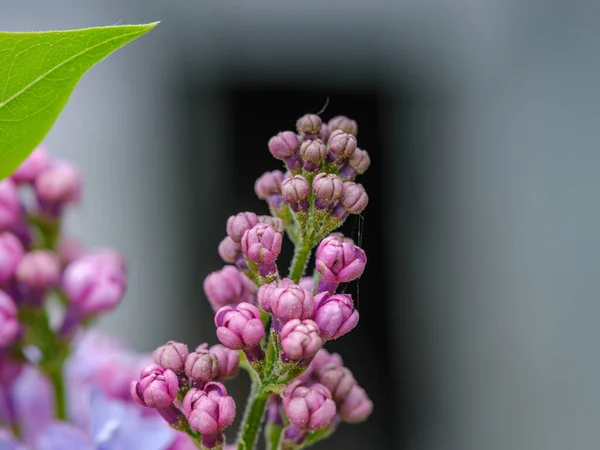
(237, 225)
(307, 283)
(229, 250)
(343, 123)
(157, 387)
(286, 300)
(308, 124)
(35, 163)
(275, 222)
(239, 328)
(58, 185)
(324, 133)
(308, 407)
(358, 164)
(228, 361)
(313, 153)
(357, 406)
(328, 188)
(341, 144)
(228, 286)
(95, 283)
(300, 339)
(283, 145)
(295, 192)
(171, 356)
(9, 322)
(69, 250)
(39, 270)
(268, 184)
(10, 204)
(339, 261)
(335, 314)
(11, 253)
(209, 411)
(354, 198)
(202, 365)
(262, 244)
(338, 379)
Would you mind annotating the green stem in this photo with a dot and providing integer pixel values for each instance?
(255, 409)
(301, 254)
(58, 387)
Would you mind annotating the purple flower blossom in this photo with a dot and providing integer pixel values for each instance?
(38, 271)
(295, 191)
(35, 163)
(261, 244)
(239, 328)
(202, 365)
(300, 339)
(209, 411)
(58, 185)
(339, 261)
(341, 145)
(343, 123)
(237, 225)
(334, 314)
(227, 287)
(286, 300)
(308, 407)
(283, 145)
(172, 356)
(357, 406)
(308, 124)
(328, 189)
(157, 387)
(95, 283)
(228, 361)
(229, 250)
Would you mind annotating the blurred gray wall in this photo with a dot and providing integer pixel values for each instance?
(506, 150)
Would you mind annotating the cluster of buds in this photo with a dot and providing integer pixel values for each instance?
(37, 262)
(186, 389)
(278, 325)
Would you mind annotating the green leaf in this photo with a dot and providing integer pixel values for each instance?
(38, 72)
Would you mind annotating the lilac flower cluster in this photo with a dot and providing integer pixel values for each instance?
(274, 326)
(62, 386)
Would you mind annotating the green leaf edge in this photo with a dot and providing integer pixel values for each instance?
(7, 168)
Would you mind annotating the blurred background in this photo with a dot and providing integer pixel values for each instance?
(479, 307)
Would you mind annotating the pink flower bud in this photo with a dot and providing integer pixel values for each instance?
(308, 408)
(339, 261)
(157, 387)
(300, 339)
(262, 244)
(295, 191)
(228, 286)
(328, 189)
(229, 250)
(202, 365)
(324, 132)
(286, 301)
(11, 253)
(10, 204)
(35, 163)
(335, 314)
(324, 359)
(338, 380)
(237, 225)
(341, 144)
(343, 123)
(209, 411)
(58, 184)
(268, 184)
(228, 361)
(308, 124)
(39, 270)
(275, 222)
(306, 283)
(360, 161)
(171, 356)
(354, 198)
(239, 328)
(283, 145)
(313, 153)
(95, 283)
(69, 250)
(357, 406)
(9, 323)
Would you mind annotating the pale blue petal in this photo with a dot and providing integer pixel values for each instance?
(63, 436)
